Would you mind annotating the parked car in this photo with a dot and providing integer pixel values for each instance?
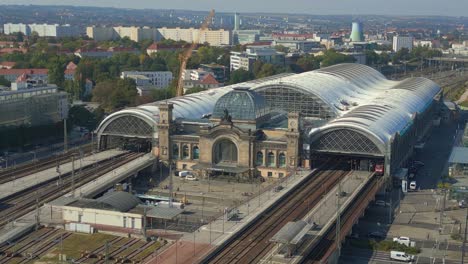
(401, 256)
(381, 203)
(462, 204)
(376, 235)
(183, 173)
(278, 188)
(190, 177)
(402, 240)
(413, 186)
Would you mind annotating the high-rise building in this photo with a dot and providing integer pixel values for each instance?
(236, 21)
(400, 42)
(357, 33)
(43, 30)
(213, 37)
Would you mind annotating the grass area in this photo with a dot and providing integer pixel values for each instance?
(384, 245)
(77, 243)
(148, 251)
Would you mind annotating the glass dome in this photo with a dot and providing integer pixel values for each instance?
(242, 104)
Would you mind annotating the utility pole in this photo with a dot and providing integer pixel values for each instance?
(442, 211)
(106, 257)
(37, 211)
(73, 176)
(65, 136)
(338, 220)
(144, 223)
(170, 185)
(464, 237)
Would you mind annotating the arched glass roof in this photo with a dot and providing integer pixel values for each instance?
(361, 98)
(242, 104)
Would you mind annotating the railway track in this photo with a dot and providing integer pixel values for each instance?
(27, 244)
(40, 165)
(98, 251)
(25, 201)
(253, 244)
(327, 244)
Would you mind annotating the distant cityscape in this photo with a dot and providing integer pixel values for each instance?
(179, 136)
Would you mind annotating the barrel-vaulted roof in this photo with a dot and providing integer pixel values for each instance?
(361, 98)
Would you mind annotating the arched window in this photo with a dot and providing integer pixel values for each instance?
(195, 153)
(225, 151)
(259, 159)
(282, 160)
(185, 152)
(271, 159)
(175, 151)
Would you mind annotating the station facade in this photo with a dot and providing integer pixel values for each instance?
(272, 126)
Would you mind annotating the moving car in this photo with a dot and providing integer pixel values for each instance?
(401, 256)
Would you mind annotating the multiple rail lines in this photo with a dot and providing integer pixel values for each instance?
(251, 245)
(40, 243)
(23, 202)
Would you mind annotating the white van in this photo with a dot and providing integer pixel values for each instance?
(401, 256)
(412, 185)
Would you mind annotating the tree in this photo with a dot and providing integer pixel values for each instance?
(4, 81)
(19, 36)
(268, 69)
(240, 75)
(56, 72)
(80, 116)
(115, 93)
(195, 89)
(281, 48)
(307, 63)
(257, 67)
(332, 57)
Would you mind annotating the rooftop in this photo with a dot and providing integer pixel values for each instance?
(459, 155)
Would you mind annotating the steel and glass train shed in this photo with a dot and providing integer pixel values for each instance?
(346, 109)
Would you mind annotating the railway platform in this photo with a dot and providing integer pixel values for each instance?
(119, 174)
(323, 215)
(192, 247)
(20, 184)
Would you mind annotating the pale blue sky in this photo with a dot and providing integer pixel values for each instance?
(390, 7)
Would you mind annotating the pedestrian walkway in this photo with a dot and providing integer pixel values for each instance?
(23, 183)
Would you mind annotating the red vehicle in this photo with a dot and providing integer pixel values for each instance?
(379, 169)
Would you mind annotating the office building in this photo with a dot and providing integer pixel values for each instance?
(159, 79)
(219, 37)
(39, 75)
(245, 60)
(43, 30)
(29, 103)
(400, 42)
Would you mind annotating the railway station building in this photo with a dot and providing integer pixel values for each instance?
(272, 126)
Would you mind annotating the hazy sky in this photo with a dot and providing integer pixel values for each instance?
(391, 7)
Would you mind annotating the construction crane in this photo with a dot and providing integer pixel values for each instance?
(185, 56)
